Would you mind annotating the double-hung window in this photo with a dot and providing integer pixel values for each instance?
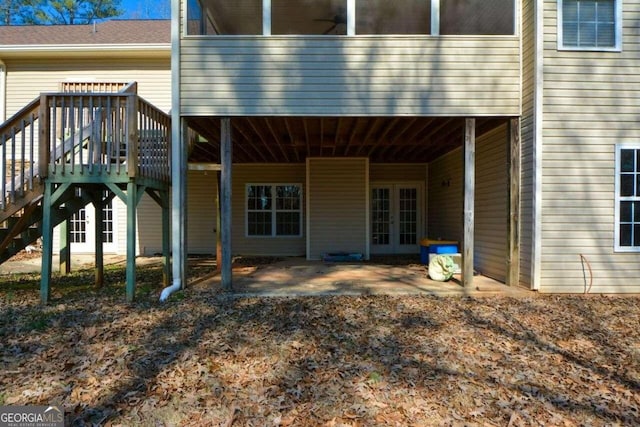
(627, 211)
(590, 25)
(274, 210)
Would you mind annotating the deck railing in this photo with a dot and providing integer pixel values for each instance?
(19, 139)
(104, 133)
(109, 134)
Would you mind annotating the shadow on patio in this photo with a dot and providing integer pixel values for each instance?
(295, 276)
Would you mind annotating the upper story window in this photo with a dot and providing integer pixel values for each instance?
(627, 209)
(351, 17)
(590, 24)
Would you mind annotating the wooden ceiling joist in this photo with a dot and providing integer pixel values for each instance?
(293, 139)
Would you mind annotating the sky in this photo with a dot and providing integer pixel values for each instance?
(146, 9)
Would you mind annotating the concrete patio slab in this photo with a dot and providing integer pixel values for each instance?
(299, 277)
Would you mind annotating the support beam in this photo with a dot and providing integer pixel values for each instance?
(218, 225)
(65, 247)
(225, 202)
(132, 203)
(98, 206)
(513, 262)
(469, 201)
(47, 243)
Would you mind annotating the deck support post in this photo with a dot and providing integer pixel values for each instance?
(225, 202)
(132, 202)
(65, 247)
(513, 261)
(98, 206)
(47, 243)
(469, 201)
(218, 225)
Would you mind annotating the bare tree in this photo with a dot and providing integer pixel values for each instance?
(14, 11)
(69, 12)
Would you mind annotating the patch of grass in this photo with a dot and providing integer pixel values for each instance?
(37, 320)
(2, 399)
(375, 377)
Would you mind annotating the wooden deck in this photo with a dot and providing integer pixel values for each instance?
(67, 149)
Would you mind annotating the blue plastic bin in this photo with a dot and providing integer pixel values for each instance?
(431, 246)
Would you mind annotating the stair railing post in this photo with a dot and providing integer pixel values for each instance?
(132, 135)
(44, 151)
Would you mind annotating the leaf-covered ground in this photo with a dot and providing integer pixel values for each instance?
(206, 358)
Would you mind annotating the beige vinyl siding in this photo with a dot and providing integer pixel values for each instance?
(337, 206)
(201, 211)
(528, 155)
(331, 76)
(394, 172)
(590, 104)
(149, 227)
(244, 174)
(446, 182)
(492, 203)
(26, 79)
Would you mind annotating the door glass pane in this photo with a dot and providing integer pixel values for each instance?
(107, 223)
(407, 216)
(78, 227)
(380, 216)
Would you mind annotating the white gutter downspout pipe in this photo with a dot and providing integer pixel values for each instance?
(178, 165)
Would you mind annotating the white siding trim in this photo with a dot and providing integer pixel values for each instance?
(435, 17)
(616, 227)
(266, 17)
(3, 91)
(351, 17)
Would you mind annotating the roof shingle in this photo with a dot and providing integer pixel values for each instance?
(108, 32)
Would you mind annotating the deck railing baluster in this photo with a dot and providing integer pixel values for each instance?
(52, 132)
(32, 140)
(13, 165)
(4, 171)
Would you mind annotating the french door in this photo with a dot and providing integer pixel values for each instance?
(82, 229)
(396, 218)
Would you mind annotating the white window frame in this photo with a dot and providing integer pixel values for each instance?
(618, 198)
(273, 211)
(617, 47)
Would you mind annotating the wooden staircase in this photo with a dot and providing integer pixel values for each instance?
(100, 145)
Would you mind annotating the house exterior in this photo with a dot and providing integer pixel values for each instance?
(510, 126)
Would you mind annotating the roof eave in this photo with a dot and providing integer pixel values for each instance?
(94, 50)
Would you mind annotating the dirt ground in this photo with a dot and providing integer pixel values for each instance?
(211, 358)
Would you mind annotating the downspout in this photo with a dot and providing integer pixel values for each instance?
(536, 255)
(3, 91)
(178, 164)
